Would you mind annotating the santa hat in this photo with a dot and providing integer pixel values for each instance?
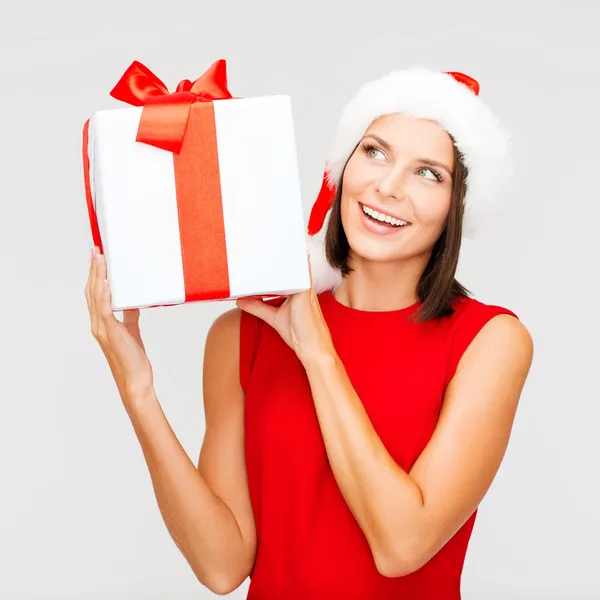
(452, 100)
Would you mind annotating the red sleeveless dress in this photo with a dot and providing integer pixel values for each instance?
(310, 547)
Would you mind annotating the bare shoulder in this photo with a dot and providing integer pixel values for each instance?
(505, 332)
(226, 327)
(222, 356)
(503, 340)
(223, 337)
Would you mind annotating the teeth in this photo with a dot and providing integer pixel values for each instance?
(383, 217)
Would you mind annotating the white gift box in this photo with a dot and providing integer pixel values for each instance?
(220, 220)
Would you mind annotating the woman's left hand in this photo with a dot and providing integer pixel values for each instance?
(299, 321)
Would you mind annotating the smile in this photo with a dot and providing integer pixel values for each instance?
(382, 217)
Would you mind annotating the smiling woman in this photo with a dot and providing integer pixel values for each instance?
(348, 444)
(394, 181)
(378, 405)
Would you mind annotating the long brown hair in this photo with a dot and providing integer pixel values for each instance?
(437, 288)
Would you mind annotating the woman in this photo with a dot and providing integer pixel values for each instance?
(353, 429)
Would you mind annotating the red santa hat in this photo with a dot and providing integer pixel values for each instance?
(452, 100)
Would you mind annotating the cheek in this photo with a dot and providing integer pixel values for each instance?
(352, 179)
(354, 184)
(346, 210)
(432, 209)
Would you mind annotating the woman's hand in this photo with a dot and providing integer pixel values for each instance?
(299, 321)
(121, 342)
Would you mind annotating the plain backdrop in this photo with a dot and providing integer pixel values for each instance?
(78, 517)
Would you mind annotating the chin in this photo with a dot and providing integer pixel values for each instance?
(367, 248)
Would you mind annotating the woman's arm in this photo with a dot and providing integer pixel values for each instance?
(408, 517)
(207, 509)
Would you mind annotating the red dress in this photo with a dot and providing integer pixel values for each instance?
(310, 547)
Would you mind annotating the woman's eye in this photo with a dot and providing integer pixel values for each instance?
(372, 151)
(435, 176)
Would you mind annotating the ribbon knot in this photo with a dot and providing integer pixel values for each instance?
(165, 114)
(184, 86)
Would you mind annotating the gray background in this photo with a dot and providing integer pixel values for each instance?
(78, 518)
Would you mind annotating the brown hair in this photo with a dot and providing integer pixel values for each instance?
(437, 287)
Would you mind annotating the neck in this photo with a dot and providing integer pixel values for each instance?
(381, 286)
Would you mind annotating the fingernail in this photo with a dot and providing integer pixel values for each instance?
(98, 258)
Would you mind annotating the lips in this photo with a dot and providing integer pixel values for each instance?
(371, 209)
(378, 227)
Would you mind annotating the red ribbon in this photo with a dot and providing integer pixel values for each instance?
(165, 114)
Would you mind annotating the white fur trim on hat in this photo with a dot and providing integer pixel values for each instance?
(423, 93)
(324, 276)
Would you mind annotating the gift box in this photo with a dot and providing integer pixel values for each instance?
(194, 195)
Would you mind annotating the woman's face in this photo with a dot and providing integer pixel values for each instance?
(400, 172)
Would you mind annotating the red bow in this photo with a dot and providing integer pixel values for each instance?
(165, 114)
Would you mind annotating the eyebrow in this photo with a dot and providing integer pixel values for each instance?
(428, 161)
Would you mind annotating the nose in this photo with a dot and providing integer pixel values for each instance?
(391, 184)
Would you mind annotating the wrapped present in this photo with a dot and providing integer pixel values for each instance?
(194, 195)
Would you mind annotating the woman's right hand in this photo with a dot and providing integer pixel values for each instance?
(121, 342)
